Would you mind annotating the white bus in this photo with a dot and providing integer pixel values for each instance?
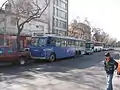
(98, 46)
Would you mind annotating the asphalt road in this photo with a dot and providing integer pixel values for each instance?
(83, 73)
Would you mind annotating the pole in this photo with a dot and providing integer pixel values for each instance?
(5, 28)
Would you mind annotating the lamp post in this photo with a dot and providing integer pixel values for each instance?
(7, 7)
(5, 20)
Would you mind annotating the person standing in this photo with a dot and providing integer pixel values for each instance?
(110, 65)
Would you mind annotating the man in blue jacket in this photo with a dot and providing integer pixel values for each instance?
(110, 65)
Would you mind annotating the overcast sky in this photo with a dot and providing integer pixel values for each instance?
(101, 13)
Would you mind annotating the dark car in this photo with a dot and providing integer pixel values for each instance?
(8, 55)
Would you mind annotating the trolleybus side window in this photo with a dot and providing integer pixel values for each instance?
(69, 43)
(79, 43)
(51, 41)
(63, 43)
(73, 43)
(88, 45)
(82, 44)
(58, 42)
(76, 43)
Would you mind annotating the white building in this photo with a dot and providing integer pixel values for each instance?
(60, 17)
(53, 20)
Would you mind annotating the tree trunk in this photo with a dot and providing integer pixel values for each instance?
(18, 39)
(20, 28)
(18, 42)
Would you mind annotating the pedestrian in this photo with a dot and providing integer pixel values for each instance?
(110, 65)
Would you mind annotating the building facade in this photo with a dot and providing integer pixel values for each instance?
(79, 30)
(53, 20)
(60, 17)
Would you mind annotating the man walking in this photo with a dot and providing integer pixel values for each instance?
(110, 66)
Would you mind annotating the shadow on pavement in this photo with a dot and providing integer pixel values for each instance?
(70, 70)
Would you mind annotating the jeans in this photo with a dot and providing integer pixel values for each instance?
(109, 81)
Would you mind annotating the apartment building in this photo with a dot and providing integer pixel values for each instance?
(54, 20)
(60, 17)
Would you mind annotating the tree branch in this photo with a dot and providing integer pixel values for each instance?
(4, 4)
(36, 15)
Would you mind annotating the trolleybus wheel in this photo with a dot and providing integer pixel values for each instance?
(52, 57)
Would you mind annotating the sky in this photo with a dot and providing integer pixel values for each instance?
(103, 14)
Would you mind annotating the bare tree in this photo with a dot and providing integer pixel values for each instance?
(96, 35)
(100, 35)
(25, 11)
(112, 41)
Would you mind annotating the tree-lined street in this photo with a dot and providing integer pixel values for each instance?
(42, 29)
(83, 73)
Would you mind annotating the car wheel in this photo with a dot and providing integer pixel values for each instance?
(52, 58)
(22, 61)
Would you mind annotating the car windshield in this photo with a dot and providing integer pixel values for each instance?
(89, 45)
(42, 41)
(38, 41)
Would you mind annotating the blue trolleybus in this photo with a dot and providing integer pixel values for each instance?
(51, 47)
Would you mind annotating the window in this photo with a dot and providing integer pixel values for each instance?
(6, 49)
(13, 21)
(55, 31)
(59, 23)
(38, 41)
(79, 44)
(61, 4)
(63, 24)
(42, 42)
(88, 45)
(56, 2)
(9, 50)
(51, 41)
(69, 43)
(63, 43)
(73, 43)
(1, 41)
(58, 42)
(61, 14)
(34, 41)
(98, 44)
(1, 51)
(82, 44)
(64, 0)
(55, 22)
(76, 43)
(54, 10)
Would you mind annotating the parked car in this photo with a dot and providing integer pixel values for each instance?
(105, 49)
(8, 55)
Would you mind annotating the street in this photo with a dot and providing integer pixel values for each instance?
(83, 73)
